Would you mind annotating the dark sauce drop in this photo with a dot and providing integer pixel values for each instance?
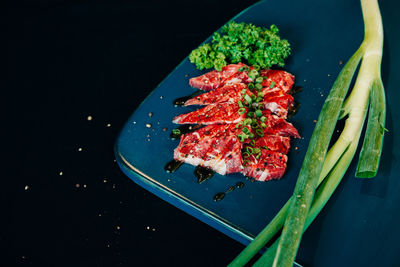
(293, 109)
(179, 102)
(173, 165)
(219, 196)
(295, 89)
(230, 189)
(184, 129)
(203, 173)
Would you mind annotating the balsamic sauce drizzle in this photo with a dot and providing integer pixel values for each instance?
(293, 109)
(173, 165)
(295, 89)
(203, 173)
(179, 102)
(220, 195)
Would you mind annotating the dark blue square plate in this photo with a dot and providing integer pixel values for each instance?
(360, 216)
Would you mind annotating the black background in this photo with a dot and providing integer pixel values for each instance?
(65, 61)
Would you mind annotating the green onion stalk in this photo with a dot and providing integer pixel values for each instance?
(324, 170)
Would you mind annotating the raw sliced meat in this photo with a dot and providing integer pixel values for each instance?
(229, 74)
(217, 145)
(213, 146)
(274, 143)
(270, 165)
(227, 93)
(278, 104)
(278, 126)
(282, 79)
(212, 114)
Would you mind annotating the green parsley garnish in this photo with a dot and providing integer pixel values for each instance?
(241, 42)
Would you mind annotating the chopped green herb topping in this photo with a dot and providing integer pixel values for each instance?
(241, 42)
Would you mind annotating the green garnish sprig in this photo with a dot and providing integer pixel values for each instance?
(242, 42)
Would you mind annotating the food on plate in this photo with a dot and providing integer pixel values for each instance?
(244, 111)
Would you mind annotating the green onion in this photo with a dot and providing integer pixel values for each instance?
(263, 125)
(253, 142)
(249, 150)
(258, 113)
(272, 85)
(327, 169)
(242, 137)
(247, 121)
(240, 104)
(257, 150)
(258, 86)
(243, 91)
(260, 94)
(245, 130)
(241, 110)
(239, 124)
(259, 132)
(246, 154)
(250, 114)
(263, 119)
(265, 147)
(251, 135)
(176, 131)
(259, 99)
(247, 98)
(250, 86)
(261, 106)
(259, 80)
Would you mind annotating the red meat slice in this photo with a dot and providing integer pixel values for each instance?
(270, 165)
(212, 114)
(274, 143)
(227, 93)
(213, 146)
(282, 79)
(229, 74)
(278, 103)
(278, 126)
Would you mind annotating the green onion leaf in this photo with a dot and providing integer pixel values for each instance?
(241, 111)
(247, 121)
(272, 85)
(248, 99)
(249, 150)
(176, 131)
(259, 80)
(260, 132)
(239, 124)
(250, 114)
